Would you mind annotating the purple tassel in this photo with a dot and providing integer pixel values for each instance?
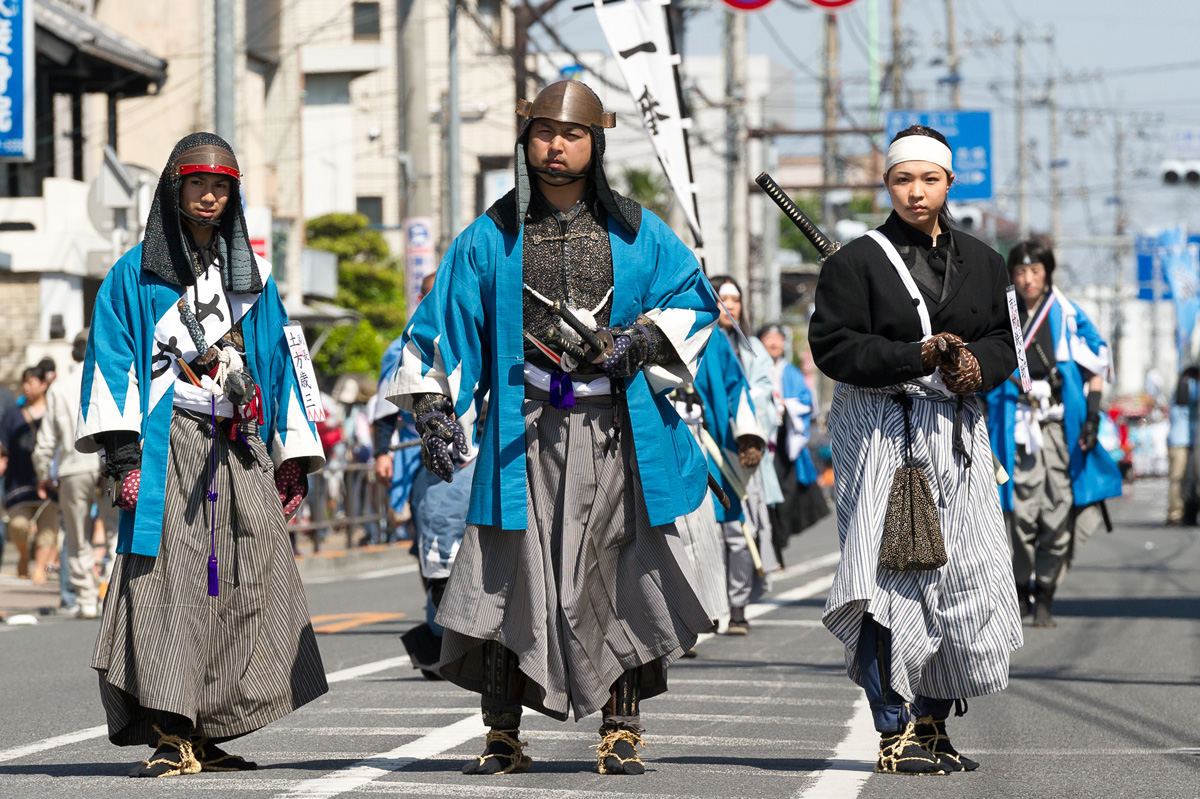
(214, 588)
(562, 391)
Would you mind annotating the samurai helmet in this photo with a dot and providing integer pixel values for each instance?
(574, 102)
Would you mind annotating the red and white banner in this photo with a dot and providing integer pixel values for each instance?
(636, 31)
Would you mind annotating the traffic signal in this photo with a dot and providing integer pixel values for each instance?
(1177, 172)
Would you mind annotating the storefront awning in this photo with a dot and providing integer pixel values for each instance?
(93, 58)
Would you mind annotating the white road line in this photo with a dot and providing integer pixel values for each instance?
(365, 771)
(368, 668)
(789, 623)
(53, 743)
(798, 594)
(375, 574)
(841, 685)
(853, 761)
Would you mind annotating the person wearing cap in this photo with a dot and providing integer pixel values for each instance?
(912, 320)
(579, 311)
(803, 502)
(190, 389)
(75, 476)
(1046, 438)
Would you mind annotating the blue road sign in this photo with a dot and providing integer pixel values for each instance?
(970, 137)
(16, 80)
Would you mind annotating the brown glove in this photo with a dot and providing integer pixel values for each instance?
(966, 377)
(750, 451)
(940, 350)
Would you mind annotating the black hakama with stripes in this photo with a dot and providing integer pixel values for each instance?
(231, 663)
(952, 628)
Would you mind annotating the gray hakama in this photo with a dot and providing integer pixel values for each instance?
(232, 663)
(954, 627)
(590, 589)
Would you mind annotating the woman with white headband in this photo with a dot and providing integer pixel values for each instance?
(912, 321)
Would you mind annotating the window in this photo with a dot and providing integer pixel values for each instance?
(366, 20)
(372, 209)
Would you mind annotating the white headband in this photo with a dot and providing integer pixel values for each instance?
(729, 290)
(918, 148)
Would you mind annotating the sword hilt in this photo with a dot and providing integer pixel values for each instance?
(825, 246)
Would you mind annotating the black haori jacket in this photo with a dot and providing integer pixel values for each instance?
(866, 332)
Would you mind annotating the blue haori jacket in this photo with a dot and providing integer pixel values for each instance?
(797, 405)
(122, 359)
(465, 340)
(728, 414)
(1095, 476)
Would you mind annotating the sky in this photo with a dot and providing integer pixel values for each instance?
(1116, 62)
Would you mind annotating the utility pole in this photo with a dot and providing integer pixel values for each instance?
(737, 243)
(1022, 157)
(524, 15)
(452, 119)
(830, 173)
(1120, 253)
(413, 107)
(897, 58)
(952, 57)
(223, 111)
(1055, 163)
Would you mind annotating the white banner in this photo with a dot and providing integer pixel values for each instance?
(636, 31)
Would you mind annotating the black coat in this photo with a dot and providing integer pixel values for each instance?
(866, 332)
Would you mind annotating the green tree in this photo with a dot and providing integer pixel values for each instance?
(648, 188)
(369, 282)
(790, 237)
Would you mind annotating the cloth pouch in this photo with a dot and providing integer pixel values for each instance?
(912, 534)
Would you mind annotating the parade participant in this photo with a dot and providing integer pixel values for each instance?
(570, 591)
(733, 379)
(1047, 438)
(189, 388)
(803, 502)
(32, 520)
(77, 476)
(918, 641)
(1181, 438)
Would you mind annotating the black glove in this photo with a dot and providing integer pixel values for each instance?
(631, 345)
(439, 432)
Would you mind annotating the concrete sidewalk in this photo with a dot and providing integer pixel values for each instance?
(18, 596)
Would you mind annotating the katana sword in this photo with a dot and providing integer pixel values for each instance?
(825, 246)
(598, 341)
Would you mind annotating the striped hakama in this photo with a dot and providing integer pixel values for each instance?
(952, 628)
(232, 663)
(706, 554)
(590, 589)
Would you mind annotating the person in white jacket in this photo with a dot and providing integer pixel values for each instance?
(77, 477)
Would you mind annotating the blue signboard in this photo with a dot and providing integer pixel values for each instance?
(16, 80)
(970, 137)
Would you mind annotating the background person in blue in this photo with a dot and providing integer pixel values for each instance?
(1046, 439)
(571, 590)
(189, 387)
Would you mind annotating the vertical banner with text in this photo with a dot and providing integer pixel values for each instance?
(636, 31)
(16, 80)
(418, 258)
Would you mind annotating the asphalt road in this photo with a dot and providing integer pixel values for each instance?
(1106, 705)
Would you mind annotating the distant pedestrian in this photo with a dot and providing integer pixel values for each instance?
(32, 519)
(77, 477)
(193, 395)
(922, 640)
(803, 502)
(1182, 496)
(1047, 438)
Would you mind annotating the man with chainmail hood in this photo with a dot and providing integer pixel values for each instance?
(579, 311)
(189, 387)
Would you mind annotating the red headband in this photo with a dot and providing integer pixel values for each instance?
(217, 168)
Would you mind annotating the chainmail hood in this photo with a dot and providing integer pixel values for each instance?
(165, 249)
(595, 170)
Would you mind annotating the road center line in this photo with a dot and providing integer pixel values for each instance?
(853, 761)
(372, 768)
(53, 743)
